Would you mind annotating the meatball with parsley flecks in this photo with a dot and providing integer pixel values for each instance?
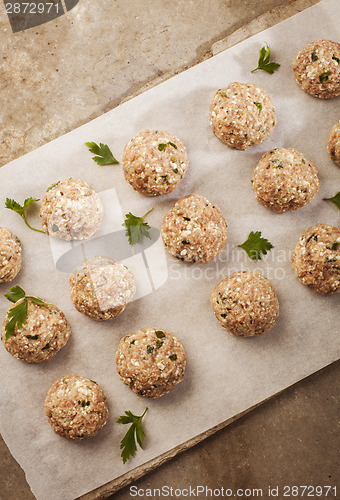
(151, 362)
(242, 115)
(76, 407)
(194, 229)
(245, 303)
(316, 258)
(154, 162)
(333, 144)
(71, 210)
(316, 69)
(10, 255)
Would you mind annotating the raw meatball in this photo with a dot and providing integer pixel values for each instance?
(10, 255)
(71, 210)
(154, 162)
(317, 69)
(45, 332)
(245, 304)
(151, 362)
(101, 287)
(333, 145)
(194, 229)
(76, 407)
(285, 180)
(316, 258)
(241, 115)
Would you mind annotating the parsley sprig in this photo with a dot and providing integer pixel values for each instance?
(103, 152)
(128, 443)
(21, 209)
(18, 314)
(263, 62)
(136, 228)
(335, 199)
(255, 245)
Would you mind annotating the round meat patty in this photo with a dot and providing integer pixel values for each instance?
(151, 362)
(245, 303)
(10, 255)
(76, 407)
(241, 115)
(101, 287)
(194, 229)
(45, 332)
(154, 162)
(316, 69)
(333, 144)
(285, 180)
(316, 258)
(71, 210)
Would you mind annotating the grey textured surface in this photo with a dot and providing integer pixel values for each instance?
(59, 75)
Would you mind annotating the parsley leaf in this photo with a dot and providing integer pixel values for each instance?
(335, 199)
(17, 315)
(16, 207)
(324, 76)
(263, 62)
(136, 228)
(255, 245)
(105, 156)
(128, 443)
(258, 105)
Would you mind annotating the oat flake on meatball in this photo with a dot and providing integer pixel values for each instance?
(316, 69)
(71, 210)
(45, 332)
(194, 230)
(151, 362)
(10, 255)
(285, 180)
(245, 303)
(154, 162)
(333, 144)
(76, 407)
(316, 258)
(241, 115)
(101, 287)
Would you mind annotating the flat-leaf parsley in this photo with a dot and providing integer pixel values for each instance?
(128, 443)
(105, 156)
(17, 315)
(263, 62)
(136, 228)
(335, 199)
(21, 209)
(255, 245)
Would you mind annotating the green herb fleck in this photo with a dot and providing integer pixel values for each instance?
(162, 146)
(310, 237)
(128, 443)
(335, 199)
(224, 315)
(175, 170)
(136, 228)
(336, 59)
(263, 62)
(17, 315)
(258, 105)
(32, 337)
(173, 357)
(21, 209)
(93, 381)
(47, 346)
(159, 343)
(53, 185)
(314, 56)
(172, 144)
(255, 245)
(324, 76)
(335, 246)
(185, 242)
(159, 334)
(105, 156)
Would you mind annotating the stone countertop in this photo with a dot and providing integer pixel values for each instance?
(59, 75)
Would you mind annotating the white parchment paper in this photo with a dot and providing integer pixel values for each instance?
(225, 375)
